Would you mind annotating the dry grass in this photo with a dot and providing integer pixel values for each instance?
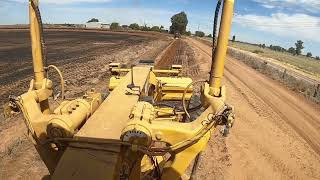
(303, 63)
(309, 90)
(258, 62)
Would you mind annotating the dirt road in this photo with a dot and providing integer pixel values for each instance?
(277, 132)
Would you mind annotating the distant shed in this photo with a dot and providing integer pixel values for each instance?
(105, 26)
(97, 25)
(93, 25)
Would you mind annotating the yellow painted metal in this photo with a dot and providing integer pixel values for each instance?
(105, 139)
(37, 55)
(176, 66)
(167, 71)
(172, 88)
(222, 45)
(114, 65)
(162, 71)
(37, 121)
(120, 70)
(166, 88)
(106, 123)
(71, 114)
(114, 82)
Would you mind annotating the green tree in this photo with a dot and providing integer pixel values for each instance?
(179, 23)
(188, 33)
(317, 58)
(263, 46)
(299, 47)
(134, 26)
(155, 28)
(93, 20)
(124, 26)
(276, 48)
(145, 28)
(292, 50)
(210, 36)
(114, 26)
(199, 34)
(309, 54)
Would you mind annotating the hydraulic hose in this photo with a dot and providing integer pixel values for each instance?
(184, 98)
(214, 34)
(61, 78)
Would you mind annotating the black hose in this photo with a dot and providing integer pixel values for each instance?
(43, 45)
(214, 34)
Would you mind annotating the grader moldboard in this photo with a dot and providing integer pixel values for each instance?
(134, 133)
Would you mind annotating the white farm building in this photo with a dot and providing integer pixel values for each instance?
(97, 25)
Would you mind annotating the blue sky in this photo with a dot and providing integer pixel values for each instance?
(278, 22)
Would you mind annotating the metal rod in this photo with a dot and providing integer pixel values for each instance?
(221, 49)
(37, 55)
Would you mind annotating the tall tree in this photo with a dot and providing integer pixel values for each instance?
(299, 47)
(155, 28)
(292, 50)
(233, 38)
(199, 34)
(309, 54)
(179, 23)
(93, 20)
(134, 26)
(114, 25)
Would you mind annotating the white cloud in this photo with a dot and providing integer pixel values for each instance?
(268, 6)
(308, 5)
(296, 25)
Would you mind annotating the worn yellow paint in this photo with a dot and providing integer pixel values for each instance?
(221, 49)
(90, 124)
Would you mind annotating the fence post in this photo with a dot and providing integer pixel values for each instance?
(316, 91)
(284, 73)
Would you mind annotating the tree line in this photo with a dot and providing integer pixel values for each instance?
(295, 50)
(134, 26)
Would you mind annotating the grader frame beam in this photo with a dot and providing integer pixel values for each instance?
(117, 140)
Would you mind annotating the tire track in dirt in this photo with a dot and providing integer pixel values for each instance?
(264, 144)
(18, 158)
(315, 144)
(308, 136)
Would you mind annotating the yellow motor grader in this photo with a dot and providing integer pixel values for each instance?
(133, 133)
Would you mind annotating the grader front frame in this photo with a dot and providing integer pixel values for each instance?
(133, 133)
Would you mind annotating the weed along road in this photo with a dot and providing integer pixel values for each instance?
(277, 131)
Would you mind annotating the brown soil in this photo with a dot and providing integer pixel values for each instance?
(83, 57)
(276, 135)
